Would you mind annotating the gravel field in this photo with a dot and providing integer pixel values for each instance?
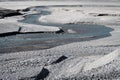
(66, 62)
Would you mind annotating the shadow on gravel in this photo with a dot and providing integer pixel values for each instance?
(43, 74)
(59, 59)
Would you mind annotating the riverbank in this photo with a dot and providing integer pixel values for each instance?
(58, 60)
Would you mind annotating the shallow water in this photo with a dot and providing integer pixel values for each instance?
(36, 41)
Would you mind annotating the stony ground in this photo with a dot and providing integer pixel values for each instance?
(61, 62)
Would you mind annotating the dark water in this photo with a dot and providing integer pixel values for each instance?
(36, 41)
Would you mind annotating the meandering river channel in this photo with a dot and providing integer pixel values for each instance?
(36, 41)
